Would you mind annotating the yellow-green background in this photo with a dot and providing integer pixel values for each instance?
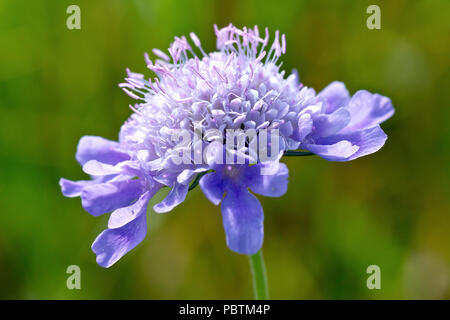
(390, 209)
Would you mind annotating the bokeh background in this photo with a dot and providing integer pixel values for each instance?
(390, 209)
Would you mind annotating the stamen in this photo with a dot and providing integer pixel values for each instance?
(276, 44)
(173, 54)
(160, 54)
(201, 77)
(135, 83)
(147, 59)
(218, 73)
(132, 95)
(197, 43)
(266, 38)
(134, 74)
(260, 57)
(255, 28)
(135, 110)
(283, 43)
(195, 39)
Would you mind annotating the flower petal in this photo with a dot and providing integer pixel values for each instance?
(176, 196)
(368, 141)
(305, 126)
(112, 244)
(105, 197)
(329, 124)
(339, 151)
(243, 217)
(96, 168)
(269, 185)
(368, 110)
(100, 149)
(122, 216)
(335, 95)
(212, 187)
(73, 189)
(187, 175)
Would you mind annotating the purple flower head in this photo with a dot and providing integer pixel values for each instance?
(224, 119)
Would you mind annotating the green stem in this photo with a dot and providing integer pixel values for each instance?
(197, 180)
(291, 153)
(259, 275)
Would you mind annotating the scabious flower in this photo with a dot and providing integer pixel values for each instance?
(239, 87)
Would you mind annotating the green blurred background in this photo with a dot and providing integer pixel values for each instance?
(390, 209)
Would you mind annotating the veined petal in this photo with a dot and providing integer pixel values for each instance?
(212, 187)
(328, 124)
(122, 216)
(73, 189)
(305, 126)
(335, 96)
(166, 177)
(338, 151)
(176, 196)
(368, 110)
(100, 149)
(105, 197)
(243, 217)
(96, 168)
(187, 175)
(112, 244)
(368, 141)
(269, 185)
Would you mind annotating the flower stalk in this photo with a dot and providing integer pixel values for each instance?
(293, 153)
(259, 276)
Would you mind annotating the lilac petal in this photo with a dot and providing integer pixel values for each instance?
(96, 168)
(100, 149)
(122, 216)
(287, 129)
(368, 141)
(274, 185)
(73, 189)
(187, 175)
(338, 151)
(131, 168)
(328, 124)
(154, 165)
(112, 244)
(368, 110)
(243, 217)
(105, 197)
(335, 95)
(212, 187)
(166, 177)
(305, 126)
(174, 198)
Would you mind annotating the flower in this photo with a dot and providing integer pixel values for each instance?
(237, 92)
